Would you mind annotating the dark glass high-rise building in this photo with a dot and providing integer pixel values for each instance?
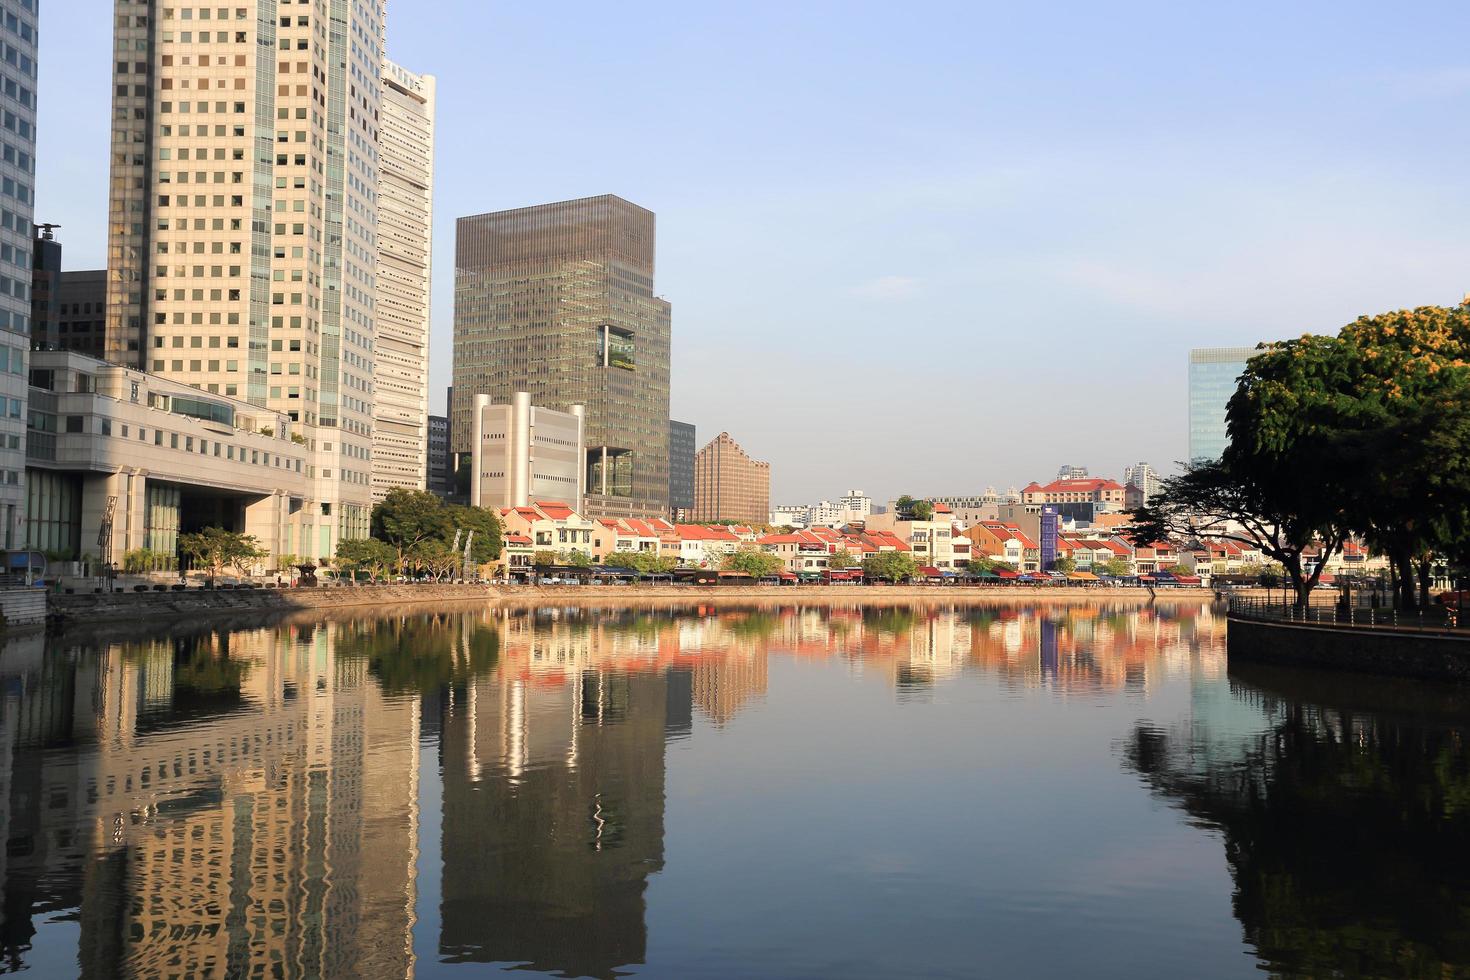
(557, 300)
(682, 448)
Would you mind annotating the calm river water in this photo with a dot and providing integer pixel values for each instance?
(1079, 791)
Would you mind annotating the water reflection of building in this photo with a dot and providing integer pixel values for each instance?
(210, 805)
(552, 819)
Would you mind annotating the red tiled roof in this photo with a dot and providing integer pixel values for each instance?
(554, 509)
(517, 539)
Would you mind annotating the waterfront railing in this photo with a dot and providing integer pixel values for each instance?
(1332, 611)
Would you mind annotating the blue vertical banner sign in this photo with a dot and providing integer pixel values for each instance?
(1051, 522)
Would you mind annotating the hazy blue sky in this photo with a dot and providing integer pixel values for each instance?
(925, 247)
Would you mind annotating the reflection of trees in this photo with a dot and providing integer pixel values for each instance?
(1348, 836)
(895, 621)
(424, 654)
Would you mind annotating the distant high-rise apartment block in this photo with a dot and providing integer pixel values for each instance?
(18, 75)
(857, 502)
(558, 301)
(682, 447)
(523, 453)
(243, 234)
(729, 485)
(1072, 473)
(405, 237)
(1143, 477)
(1213, 373)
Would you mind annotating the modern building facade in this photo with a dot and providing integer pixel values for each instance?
(18, 74)
(558, 301)
(682, 447)
(147, 459)
(242, 251)
(439, 477)
(1213, 373)
(82, 319)
(729, 485)
(523, 453)
(405, 240)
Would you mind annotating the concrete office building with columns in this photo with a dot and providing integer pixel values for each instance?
(405, 240)
(166, 458)
(522, 453)
(242, 246)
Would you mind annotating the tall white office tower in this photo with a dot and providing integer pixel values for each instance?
(405, 236)
(243, 224)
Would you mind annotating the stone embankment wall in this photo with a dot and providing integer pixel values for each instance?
(140, 606)
(23, 607)
(129, 606)
(1379, 650)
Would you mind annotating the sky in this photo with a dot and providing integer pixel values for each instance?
(928, 247)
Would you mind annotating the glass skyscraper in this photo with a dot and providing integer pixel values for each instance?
(1213, 372)
(557, 300)
(682, 448)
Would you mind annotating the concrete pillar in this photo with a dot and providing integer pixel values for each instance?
(477, 448)
(518, 449)
(265, 518)
(581, 458)
(96, 489)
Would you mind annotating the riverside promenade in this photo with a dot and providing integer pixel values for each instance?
(1431, 644)
(66, 610)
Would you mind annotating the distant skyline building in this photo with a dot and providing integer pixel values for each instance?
(523, 453)
(1213, 373)
(558, 300)
(405, 253)
(1144, 477)
(440, 476)
(729, 485)
(18, 73)
(683, 444)
(45, 290)
(83, 312)
(1072, 473)
(243, 224)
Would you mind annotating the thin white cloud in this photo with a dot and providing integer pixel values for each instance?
(888, 287)
(1432, 83)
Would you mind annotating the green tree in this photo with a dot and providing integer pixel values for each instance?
(1065, 565)
(216, 549)
(1366, 432)
(365, 554)
(891, 566)
(435, 558)
(842, 559)
(752, 561)
(485, 546)
(576, 559)
(543, 559)
(1113, 567)
(914, 509)
(406, 517)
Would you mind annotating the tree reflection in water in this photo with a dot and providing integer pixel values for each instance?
(1347, 830)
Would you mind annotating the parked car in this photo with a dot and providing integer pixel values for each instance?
(1461, 598)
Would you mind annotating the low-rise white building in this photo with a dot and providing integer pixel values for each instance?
(118, 460)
